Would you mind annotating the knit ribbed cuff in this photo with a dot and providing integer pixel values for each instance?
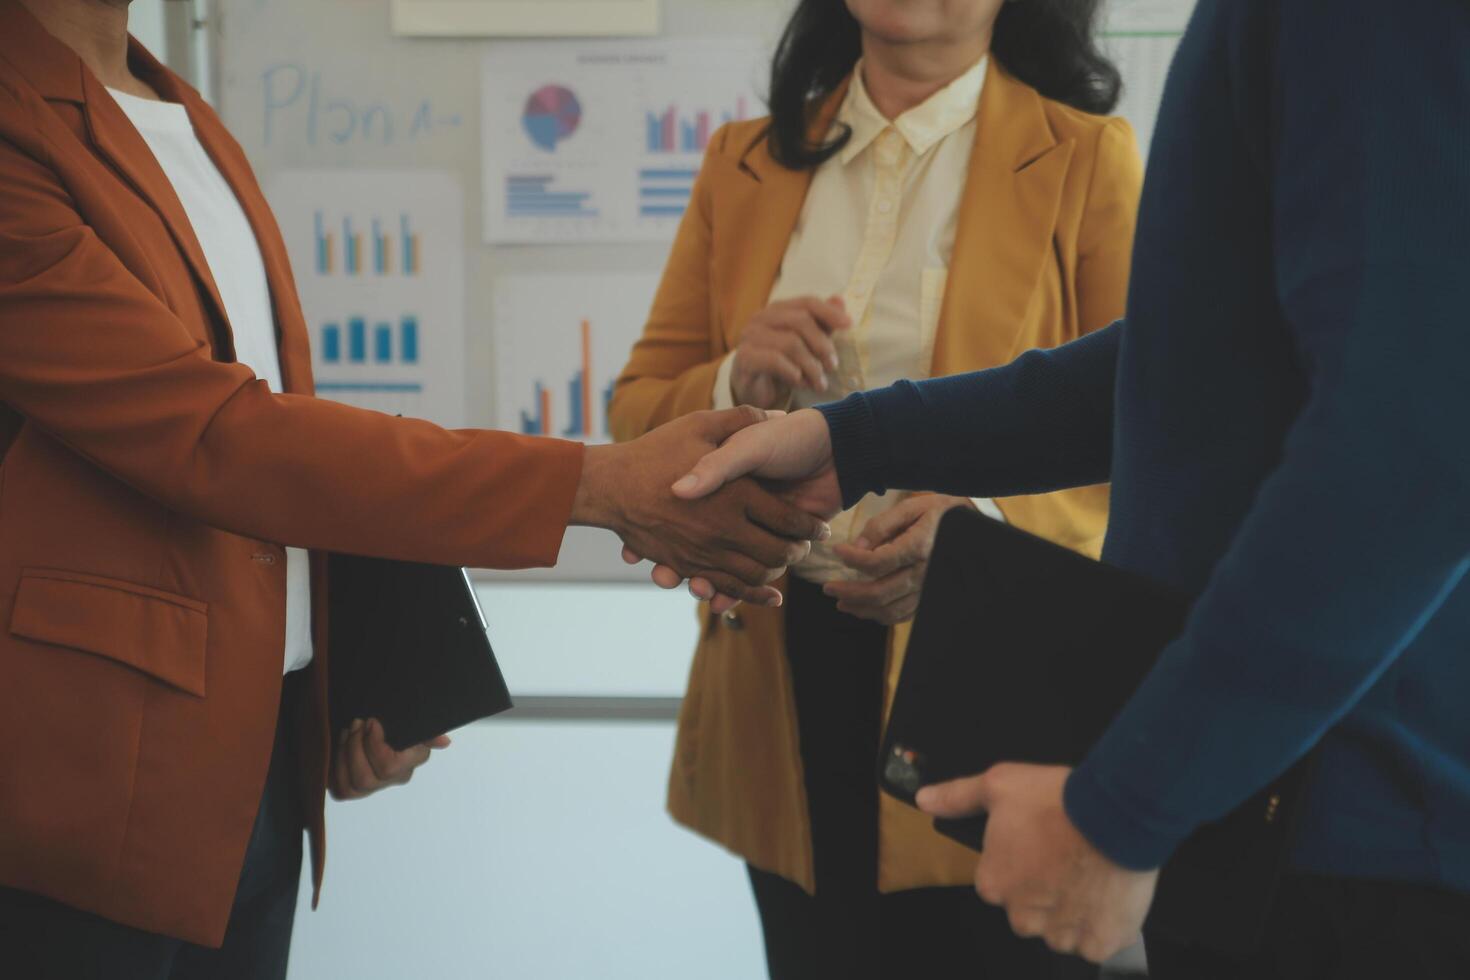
(857, 448)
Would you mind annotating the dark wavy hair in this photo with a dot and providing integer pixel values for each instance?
(1050, 45)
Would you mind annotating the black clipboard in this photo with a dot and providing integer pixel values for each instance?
(1023, 651)
(408, 646)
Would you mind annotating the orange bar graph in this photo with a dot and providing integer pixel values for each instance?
(545, 412)
(586, 378)
(413, 267)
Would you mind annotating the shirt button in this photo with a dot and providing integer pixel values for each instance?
(264, 557)
(885, 206)
(732, 621)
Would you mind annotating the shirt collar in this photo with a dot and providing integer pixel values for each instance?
(921, 127)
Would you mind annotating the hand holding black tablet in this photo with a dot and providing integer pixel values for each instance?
(407, 646)
(1023, 651)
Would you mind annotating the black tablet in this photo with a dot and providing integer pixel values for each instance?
(1024, 651)
(407, 645)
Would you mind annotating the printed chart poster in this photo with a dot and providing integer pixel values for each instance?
(379, 260)
(600, 141)
(560, 343)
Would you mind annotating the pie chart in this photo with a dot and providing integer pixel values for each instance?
(551, 115)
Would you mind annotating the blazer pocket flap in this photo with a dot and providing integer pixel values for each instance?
(160, 633)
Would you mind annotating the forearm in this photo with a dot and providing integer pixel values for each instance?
(91, 356)
(1041, 423)
(1353, 544)
(361, 482)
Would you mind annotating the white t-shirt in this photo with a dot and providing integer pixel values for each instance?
(234, 261)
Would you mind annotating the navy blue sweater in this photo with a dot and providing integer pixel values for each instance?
(1284, 414)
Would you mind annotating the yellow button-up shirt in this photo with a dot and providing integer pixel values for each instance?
(878, 229)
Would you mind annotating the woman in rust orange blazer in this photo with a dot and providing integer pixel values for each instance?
(933, 193)
(154, 492)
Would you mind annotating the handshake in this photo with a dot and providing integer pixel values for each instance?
(727, 500)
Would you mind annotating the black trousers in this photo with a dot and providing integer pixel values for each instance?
(848, 929)
(1340, 929)
(45, 940)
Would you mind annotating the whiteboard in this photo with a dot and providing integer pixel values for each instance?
(327, 85)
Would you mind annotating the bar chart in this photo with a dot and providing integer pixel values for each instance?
(586, 418)
(342, 249)
(535, 196)
(664, 191)
(379, 262)
(560, 343)
(668, 131)
(599, 140)
(359, 340)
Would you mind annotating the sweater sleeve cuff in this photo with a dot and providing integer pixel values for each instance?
(1124, 836)
(857, 448)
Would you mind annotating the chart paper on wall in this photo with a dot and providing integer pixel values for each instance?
(525, 18)
(560, 343)
(379, 264)
(600, 141)
(1141, 37)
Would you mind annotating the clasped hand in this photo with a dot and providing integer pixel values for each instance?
(738, 537)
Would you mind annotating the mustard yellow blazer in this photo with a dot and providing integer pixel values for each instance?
(1040, 257)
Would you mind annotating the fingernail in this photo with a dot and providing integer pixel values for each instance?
(356, 725)
(822, 382)
(925, 796)
(827, 589)
(832, 362)
(686, 483)
(825, 533)
(863, 544)
(776, 602)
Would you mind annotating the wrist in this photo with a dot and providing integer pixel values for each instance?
(596, 500)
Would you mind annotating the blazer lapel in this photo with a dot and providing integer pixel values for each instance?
(120, 144)
(291, 334)
(1007, 218)
(757, 221)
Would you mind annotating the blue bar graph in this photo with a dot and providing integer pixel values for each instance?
(331, 343)
(384, 341)
(663, 192)
(531, 196)
(357, 340)
(355, 252)
(323, 247)
(409, 340)
(575, 387)
(410, 241)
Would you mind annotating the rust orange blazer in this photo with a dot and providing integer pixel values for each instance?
(1041, 256)
(147, 487)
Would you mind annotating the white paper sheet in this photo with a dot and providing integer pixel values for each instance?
(560, 342)
(379, 263)
(600, 141)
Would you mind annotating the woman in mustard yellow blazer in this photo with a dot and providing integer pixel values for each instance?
(933, 193)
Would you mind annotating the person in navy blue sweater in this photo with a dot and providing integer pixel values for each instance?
(1282, 414)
